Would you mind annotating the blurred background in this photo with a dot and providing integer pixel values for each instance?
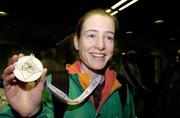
(149, 27)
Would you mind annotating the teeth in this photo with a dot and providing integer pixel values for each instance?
(98, 55)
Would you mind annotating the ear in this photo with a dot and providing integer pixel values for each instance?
(76, 42)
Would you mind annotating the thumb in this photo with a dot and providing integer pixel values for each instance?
(42, 78)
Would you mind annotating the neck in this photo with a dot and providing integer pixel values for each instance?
(93, 74)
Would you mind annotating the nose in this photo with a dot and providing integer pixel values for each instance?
(100, 44)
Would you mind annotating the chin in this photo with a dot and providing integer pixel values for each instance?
(98, 67)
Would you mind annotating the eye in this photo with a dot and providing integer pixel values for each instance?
(109, 38)
(91, 36)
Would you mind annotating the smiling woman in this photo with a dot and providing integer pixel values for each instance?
(27, 23)
(96, 45)
(93, 87)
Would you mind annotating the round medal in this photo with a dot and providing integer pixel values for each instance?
(28, 68)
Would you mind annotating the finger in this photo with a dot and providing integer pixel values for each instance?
(20, 55)
(13, 59)
(7, 80)
(8, 71)
(43, 76)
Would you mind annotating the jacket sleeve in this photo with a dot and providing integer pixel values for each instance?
(45, 112)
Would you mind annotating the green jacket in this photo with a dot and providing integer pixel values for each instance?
(110, 105)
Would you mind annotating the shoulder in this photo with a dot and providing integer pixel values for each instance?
(121, 79)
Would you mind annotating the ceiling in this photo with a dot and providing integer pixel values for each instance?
(31, 22)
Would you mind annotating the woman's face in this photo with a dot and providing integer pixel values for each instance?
(96, 43)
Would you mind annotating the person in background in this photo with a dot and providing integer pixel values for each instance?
(49, 59)
(94, 40)
(130, 70)
(169, 90)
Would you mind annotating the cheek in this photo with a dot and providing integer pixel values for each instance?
(111, 53)
(85, 45)
(82, 50)
(110, 49)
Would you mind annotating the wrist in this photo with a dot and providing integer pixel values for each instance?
(36, 112)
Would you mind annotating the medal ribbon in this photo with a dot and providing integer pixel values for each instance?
(64, 98)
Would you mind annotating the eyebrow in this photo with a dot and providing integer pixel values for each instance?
(97, 31)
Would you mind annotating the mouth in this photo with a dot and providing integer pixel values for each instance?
(98, 56)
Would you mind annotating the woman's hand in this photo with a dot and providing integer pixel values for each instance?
(25, 102)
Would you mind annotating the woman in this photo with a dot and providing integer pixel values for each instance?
(94, 39)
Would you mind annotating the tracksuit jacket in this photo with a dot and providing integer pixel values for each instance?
(110, 105)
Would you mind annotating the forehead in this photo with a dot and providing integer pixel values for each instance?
(99, 22)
